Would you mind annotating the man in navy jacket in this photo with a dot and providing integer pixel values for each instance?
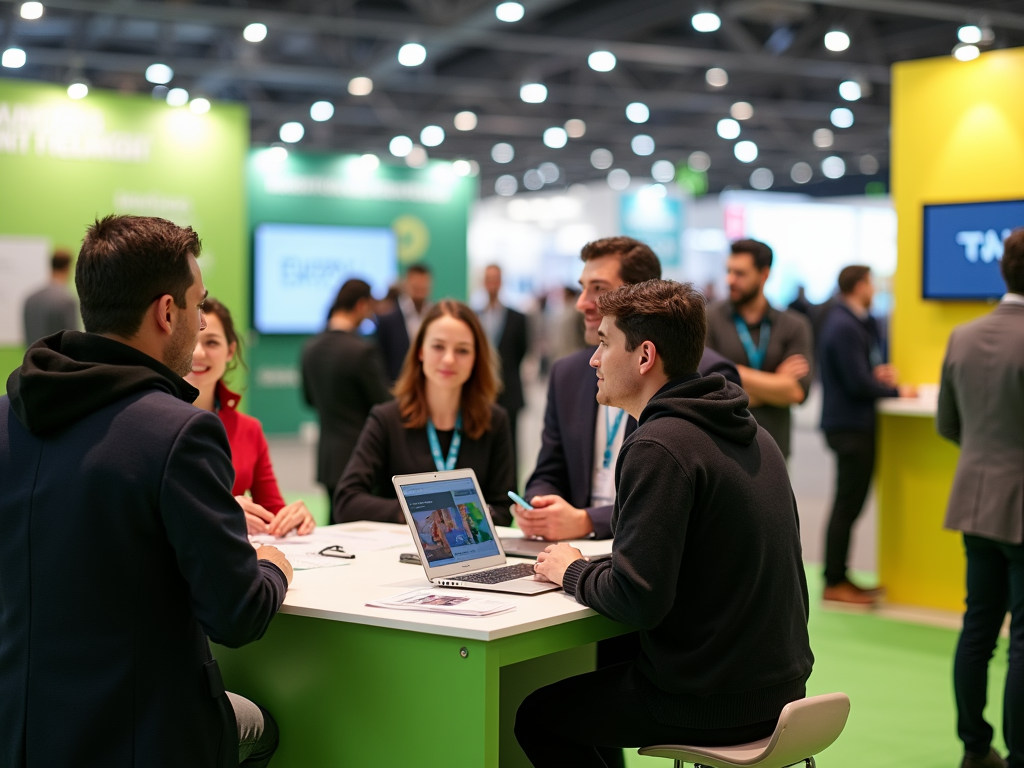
(121, 547)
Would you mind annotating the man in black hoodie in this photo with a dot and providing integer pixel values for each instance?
(121, 546)
(706, 559)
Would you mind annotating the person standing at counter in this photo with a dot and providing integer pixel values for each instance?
(981, 409)
(853, 377)
(395, 330)
(443, 417)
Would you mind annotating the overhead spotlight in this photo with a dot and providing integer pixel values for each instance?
(741, 110)
(555, 138)
(432, 136)
(78, 90)
(177, 97)
(412, 55)
(801, 173)
(503, 153)
(642, 144)
(533, 93)
(601, 61)
(969, 33)
(823, 138)
(276, 155)
(717, 77)
(868, 165)
(841, 117)
(706, 21)
(506, 185)
(199, 106)
(465, 121)
(368, 162)
(965, 52)
(417, 157)
(850, 90)
(510, 12)
(13, 58)
(745, 151)
(699, 161)
(292, 132)
(159, 74)
(601, 159)
(31, 11)
(833, 167)
(550, 172)
(575, 128)
(837, 40)
(728, 128)
(160, 92)
(462, 168)
(663, 171)
(532, 180)
(321, 111)
(360, 86)
(255, 32)
(638, 112)
(762, 179)
(400, 146)
(618, 179)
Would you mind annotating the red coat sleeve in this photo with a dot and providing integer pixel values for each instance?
(264, 488)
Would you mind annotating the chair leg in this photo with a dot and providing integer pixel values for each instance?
(809, 762)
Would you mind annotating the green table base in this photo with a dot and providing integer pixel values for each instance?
(352, 695)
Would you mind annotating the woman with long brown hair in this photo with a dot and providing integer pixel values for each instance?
(443, 417)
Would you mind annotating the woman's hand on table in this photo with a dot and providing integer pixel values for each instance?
(293, 517)
(257, 519)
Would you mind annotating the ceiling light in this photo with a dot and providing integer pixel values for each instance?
(868, 165)
(177, 97)
(276, 155)
(160, 92)
(762, 178)
(850, 90)
(601, 159)
(637, 112)
(368, 162)
(823, 138)
(400, 146)
(654, 190)
(601, 61)
(417, 157)
(555, 138)
(833, 167)
(699, 162)
(199, 106)
(510, 12)
(506, 185)
(663, 171)
(462, 168)
(13, 58)
(642, 144)
(841, 117)
(728, 128)
(255, 32)
(161, 74)
(412, 55)
(575, 128)
(292, 132)
(502, 153)
(969, 33)
(550, 172)
(33, 11)
(717, 77)
(465, 121)
(321, 111)
(837, 40)
(532, 180)
(965, 52)
(432, 136)
(801, 173)
(78, 90)
(618, 178)
(741, 110)
(745, 151)
(533, 93)
(360, 86)
(706, 21)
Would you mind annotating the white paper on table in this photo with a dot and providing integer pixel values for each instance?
(353, 541)
(435, 601)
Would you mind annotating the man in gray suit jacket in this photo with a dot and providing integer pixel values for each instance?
(981, 408)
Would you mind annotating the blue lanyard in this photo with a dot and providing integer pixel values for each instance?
(611, 430)
(453, 450)
(755, 355)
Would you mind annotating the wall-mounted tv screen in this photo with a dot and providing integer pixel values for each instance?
(963, 245)
(298, 269)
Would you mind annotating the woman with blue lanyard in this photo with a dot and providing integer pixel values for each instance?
(443, 417)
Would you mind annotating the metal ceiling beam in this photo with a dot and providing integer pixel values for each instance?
(963, 14)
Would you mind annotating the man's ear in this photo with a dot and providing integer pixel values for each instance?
(648, 357)
(164, 314)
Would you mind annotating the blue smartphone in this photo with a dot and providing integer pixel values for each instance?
(519, 500)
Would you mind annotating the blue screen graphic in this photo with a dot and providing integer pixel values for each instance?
(963, 245)
(298, 269)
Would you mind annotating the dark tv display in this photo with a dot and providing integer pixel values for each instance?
(963, 245)
(298, 269)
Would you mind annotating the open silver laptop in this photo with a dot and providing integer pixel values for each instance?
(452, 527)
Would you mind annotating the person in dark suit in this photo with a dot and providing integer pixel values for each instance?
(981, 409)
(443, 417)
(342, 379)
(506, 330)
(121, 546)
(395, 329)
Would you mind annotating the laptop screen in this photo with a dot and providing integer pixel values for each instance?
(450, 521)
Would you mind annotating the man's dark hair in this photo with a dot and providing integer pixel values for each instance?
(1012, 265)
(671, 315)
(61, 260)
(350, 294)
(850, 276)
(418, 269)
(637, 262)
(128, 262)
(760, 252)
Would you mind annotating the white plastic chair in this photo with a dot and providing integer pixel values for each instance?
(806, 728)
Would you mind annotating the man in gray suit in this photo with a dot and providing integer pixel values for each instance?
(981, 408)
(52, 308)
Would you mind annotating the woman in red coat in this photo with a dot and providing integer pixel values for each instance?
(265, 510)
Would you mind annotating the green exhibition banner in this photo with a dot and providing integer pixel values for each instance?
(427, 208)
(65, 162)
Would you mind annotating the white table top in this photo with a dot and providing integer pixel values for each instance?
(908, 406)
(341, 594)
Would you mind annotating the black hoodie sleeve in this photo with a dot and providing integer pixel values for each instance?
(638, 585)
(233, 595)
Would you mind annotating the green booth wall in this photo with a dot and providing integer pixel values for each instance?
(428, 208)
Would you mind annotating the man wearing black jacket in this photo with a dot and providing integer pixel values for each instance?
(121, 547)
(706, 560)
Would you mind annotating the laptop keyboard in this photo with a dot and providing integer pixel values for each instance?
(497, 575)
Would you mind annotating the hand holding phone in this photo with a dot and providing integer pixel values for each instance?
(519, 500)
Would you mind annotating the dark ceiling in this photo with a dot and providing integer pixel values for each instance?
(772, 50)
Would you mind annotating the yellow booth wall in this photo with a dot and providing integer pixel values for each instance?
(956, 137)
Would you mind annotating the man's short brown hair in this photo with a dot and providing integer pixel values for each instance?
(671, 315)
(851, 276)
(637, 262)
(1012, 265)
(61, 260)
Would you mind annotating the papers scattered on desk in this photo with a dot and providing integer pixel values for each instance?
(303, 551)
(439, 602)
